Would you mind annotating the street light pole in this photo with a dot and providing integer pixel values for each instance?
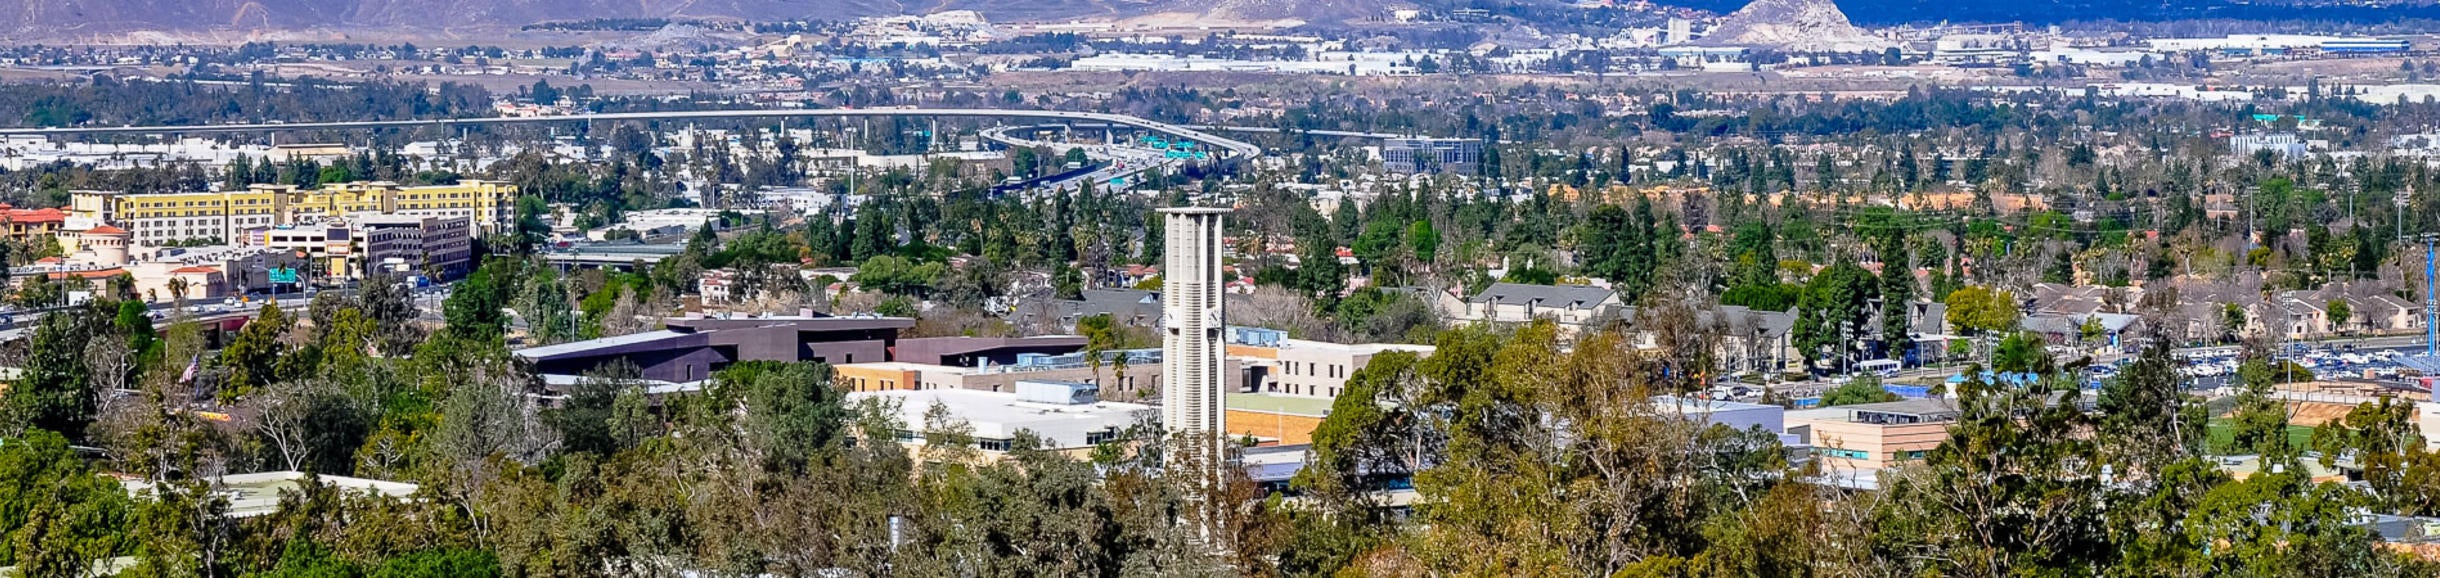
(1846, 337)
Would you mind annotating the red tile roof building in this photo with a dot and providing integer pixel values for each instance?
(26, 224)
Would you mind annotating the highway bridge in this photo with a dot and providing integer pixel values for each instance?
(1240, 149)
(610, 255)
(1328, 133)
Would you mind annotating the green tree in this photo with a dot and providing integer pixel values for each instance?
(2258, 425)
(2232, 321)
(1865, 389)
(1365, 437)
(1379, 243)
(252, 357)
(58, 516)
(1976, 309)
(1319, 273)
(2385, 428)
(588, 420)
(1897, 288)
(549, 316)
(475, 308)
(1989, 498)
(1423, 242)
(2022, 352)
(2147, 417)
(896, 276)
(55, 393)
(791, 410)
(531, 229)
(1834, 313)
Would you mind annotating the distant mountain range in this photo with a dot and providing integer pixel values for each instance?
(1889, 12)
(24, 19)
(74, 17)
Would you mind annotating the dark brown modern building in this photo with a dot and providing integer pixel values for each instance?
(692, 349)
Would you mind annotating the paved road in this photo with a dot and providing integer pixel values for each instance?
(1332, 133)
(1128, 161)
(21, 324)
(1240, 148)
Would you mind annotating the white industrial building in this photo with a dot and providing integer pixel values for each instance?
(2287, 145)
(1065, 416)
(1347, 63)
(1738, 416)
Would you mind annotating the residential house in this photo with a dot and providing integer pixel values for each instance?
(1127, 307)
(2370, 308)
(2081, 300)
(28, 225)
(1751, 340)
(2385, 313)
(714, 285)
(2107, 329)
(1573, 307)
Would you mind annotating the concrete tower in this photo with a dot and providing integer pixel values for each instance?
(1191, 355)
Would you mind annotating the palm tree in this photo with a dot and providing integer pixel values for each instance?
(1092, 359)
(177, 290)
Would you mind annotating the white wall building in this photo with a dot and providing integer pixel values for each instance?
(1065, 416)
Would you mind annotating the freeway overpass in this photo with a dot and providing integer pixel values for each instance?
(613, 256)
(1239, 148)
(1328, 133)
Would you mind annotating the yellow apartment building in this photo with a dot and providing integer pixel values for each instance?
(159, 219)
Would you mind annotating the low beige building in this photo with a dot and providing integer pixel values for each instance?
(1279, 365)
(1872, 436)
(1273, 419)
(1137, 379)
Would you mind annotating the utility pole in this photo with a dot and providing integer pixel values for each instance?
(2253, 211)
(2401, 199)
(1846, 339)
(2431, 296)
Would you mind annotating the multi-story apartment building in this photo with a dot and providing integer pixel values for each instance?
(326, 247)
(373, 242)
(225, 215)
(414, 245)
